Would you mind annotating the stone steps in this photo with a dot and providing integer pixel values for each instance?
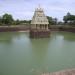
(64, 72)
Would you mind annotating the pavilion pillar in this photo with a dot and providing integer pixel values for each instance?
(36, 26)
(47, 27)
(44, 26)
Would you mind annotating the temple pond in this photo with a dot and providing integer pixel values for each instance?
(20, 55)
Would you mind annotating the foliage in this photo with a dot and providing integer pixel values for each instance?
(52, 21)
(60, 23)
(7, 19)
(0, 20)
(69, 19)
(25, 21)
(17, 22)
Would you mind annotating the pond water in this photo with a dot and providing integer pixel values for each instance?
(20, 55)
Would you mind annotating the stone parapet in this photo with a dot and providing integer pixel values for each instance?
(39, 33)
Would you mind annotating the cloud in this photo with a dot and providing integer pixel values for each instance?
(23, 9)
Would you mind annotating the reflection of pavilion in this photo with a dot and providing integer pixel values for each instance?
(39, 24)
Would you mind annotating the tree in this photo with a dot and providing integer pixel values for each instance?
(29, 21)
(66, 18)
(0, 20)
(60, 23)
(25, 21)
(69, 19)
(7, 19)
(49, 19)
(52, 21)
(17, 22)
(55, 21)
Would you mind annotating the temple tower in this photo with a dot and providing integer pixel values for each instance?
(39, 24)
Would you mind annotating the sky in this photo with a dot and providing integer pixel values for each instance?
(24, 9)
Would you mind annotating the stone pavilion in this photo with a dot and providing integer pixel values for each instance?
(39, 24)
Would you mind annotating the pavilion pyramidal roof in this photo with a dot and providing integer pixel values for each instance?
(39, 17)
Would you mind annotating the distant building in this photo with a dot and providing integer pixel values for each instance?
(39, 24)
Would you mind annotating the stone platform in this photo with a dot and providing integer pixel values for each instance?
(64, 72)
(39, 33)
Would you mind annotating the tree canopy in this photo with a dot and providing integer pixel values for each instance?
(7, 19)
(52, 21)
(69, 19)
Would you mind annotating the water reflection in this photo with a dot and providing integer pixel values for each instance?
(39, 48)
(39, 52)
(68, 36)
(21, 55)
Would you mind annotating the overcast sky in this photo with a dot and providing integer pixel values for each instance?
(24, 9)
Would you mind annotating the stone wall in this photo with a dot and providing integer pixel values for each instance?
(14, 28)
(62, 28)
(27, 27)
(39, 33)
(68, 29)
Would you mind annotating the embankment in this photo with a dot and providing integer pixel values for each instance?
(27, 27)
(13, 28)
(63, 28)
